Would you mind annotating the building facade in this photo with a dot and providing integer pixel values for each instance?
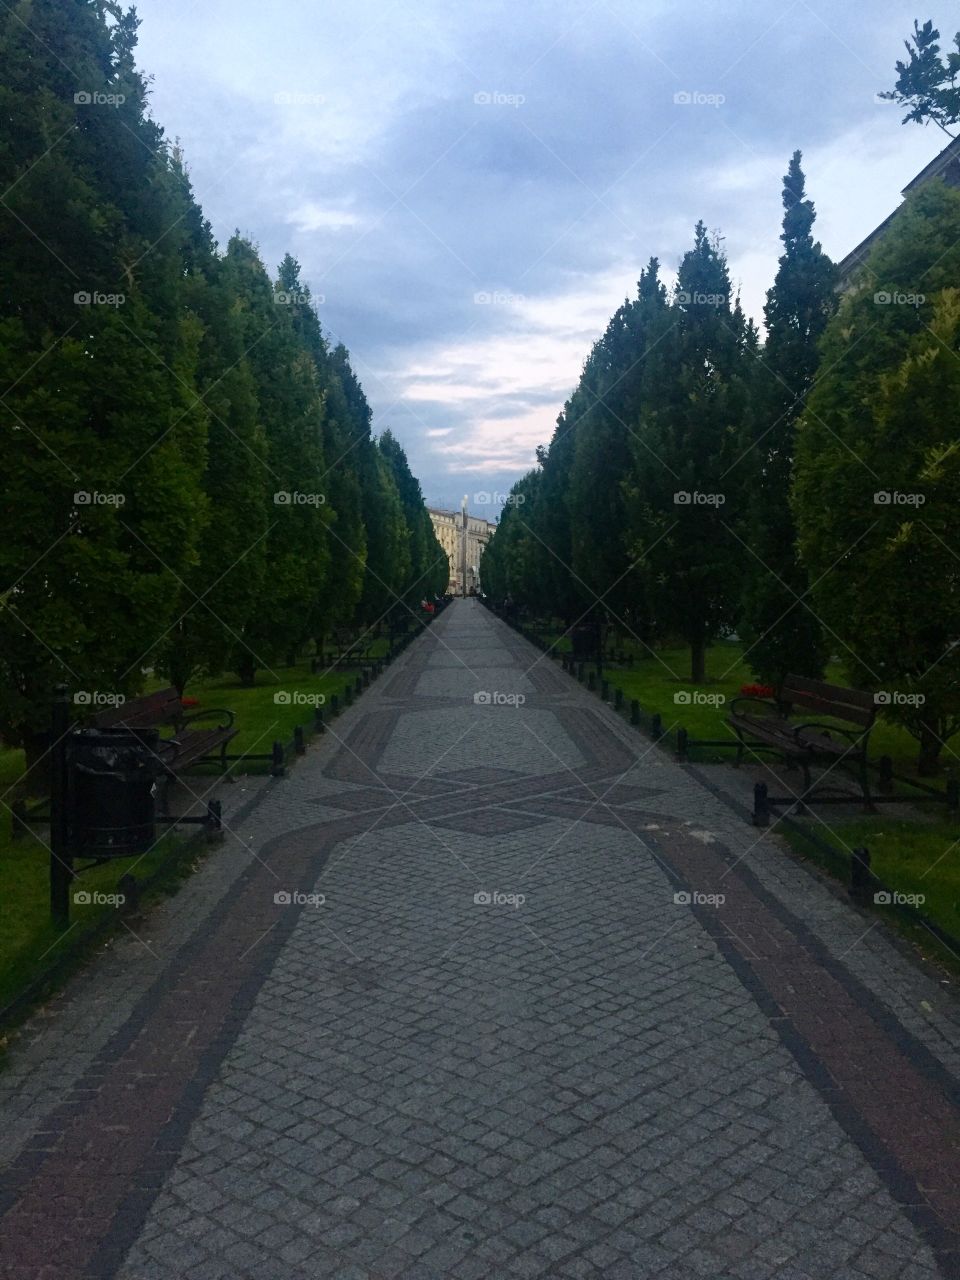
(463, 537)
(945, 166)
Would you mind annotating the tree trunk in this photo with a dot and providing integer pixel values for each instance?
(36, 749)
(247, 670)
(698, 661)
(928, 761)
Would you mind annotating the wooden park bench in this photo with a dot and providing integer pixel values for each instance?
(771, 724)
(189, 745)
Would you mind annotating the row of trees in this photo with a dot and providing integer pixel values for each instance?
(801, 492)
(190, 480)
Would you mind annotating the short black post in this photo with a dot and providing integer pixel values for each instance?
(682, 743)
(618, 698)
(761, 807)
(61, 857)
(299, 745)
(214, 817)
(953, 793)
(347, 695)
(885, 781)
(634, 711)
(18, 819)
(580, 672)
(656, 726)
(862, 879)
(129, 887)
(334, 704)
(591, 680)
(366, 677)
(605, 690)
(318, 725)
(358, 684)
(278, 761)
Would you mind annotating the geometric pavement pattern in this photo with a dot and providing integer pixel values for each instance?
(492, 1000)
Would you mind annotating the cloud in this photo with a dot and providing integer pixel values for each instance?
(404, 196)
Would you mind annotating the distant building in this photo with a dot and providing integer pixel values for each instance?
(463, 537)
(946, 166)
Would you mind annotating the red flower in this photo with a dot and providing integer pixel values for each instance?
(189, 702)
(757, 691)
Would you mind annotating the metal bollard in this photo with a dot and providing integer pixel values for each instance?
(299, 745)
(634, 711)
(862, 879)
(278, 763)
(761, 809)
(214, 823)
(682, 743)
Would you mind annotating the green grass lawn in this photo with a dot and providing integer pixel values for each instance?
(655, 681)
(28, 942)
(919, 855)
(910, 855)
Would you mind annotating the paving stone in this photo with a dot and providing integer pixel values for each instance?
(421, 1084)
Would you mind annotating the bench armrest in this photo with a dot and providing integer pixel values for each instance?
(191, 716)
(857, 737)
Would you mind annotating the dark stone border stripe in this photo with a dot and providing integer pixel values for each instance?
(900, 1073)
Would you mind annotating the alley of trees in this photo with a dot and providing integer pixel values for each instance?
(190, 480)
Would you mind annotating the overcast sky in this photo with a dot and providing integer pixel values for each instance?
(472, 188)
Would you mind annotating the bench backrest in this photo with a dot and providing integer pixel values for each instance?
(162, 707)
(828, 699)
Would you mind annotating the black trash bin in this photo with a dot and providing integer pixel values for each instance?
(112, 792)
(585, 642)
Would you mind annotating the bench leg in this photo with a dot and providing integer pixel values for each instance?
(802, 807)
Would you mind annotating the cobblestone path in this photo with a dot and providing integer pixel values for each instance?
(489, 986)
